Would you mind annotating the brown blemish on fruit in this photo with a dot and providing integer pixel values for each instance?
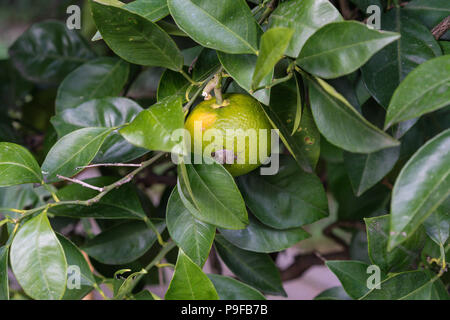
(308, 140)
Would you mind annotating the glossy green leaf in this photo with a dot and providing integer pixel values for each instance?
(386, 69)
(231, 289)
(334, 293)
(191, 235)
(134, 38)
(99, 78)
(353, 276)
(255, 269)
(48, 51)
(305, 17)
(35, 251)
(189, 282)
(72, 151)
(228, 27)
(437, 225)
(209, 192)
(17, 165)
(241, 68)
(258, 237)
(153, 10)
(291, 198)
(304, 144)
(339, 48)
(397, 259)
(425, 89)
(413, 285)
(341, 124)
(152, 128)
(365, 170)
(422, 185)
(273, 44)
(120, 203)
(107, 113)
(80, 280)
(4, 282)
(123, 243)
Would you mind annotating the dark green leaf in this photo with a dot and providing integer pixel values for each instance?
(414, 285)
(134, 38)
(102, 77)
(189, 282)
(173, 84)
(256, 269)
(228, 27)
(73, 151)
(386, 69)
(152, 128)
(241, 68)
(341, 124)
(231, 289)
(207, 62)
(425, 89)
(209, 192)
(48, 51)
(305, 17)
(304, 144)
(430, 12)
(191, 235)
(17, 165)
(77, 266)
(107, 113)
(353, 276)
(365, 170)
(273, 44)
(397, 259)
(437, 224)
(371, 203)
(289, 199)
(339, 48)
(422, 185)
(4, 284)
(35, 251)
(121, 203)
(258, 237)
(123, 243)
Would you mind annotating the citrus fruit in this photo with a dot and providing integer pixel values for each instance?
(233, 133)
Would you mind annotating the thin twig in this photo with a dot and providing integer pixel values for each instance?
(266, 14)
(111, 165)
(84, 184)
(99, 196)
(441, 28)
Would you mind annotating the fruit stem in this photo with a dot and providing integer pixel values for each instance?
(218, 89)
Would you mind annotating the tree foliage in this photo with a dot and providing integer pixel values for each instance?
(363, 116)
